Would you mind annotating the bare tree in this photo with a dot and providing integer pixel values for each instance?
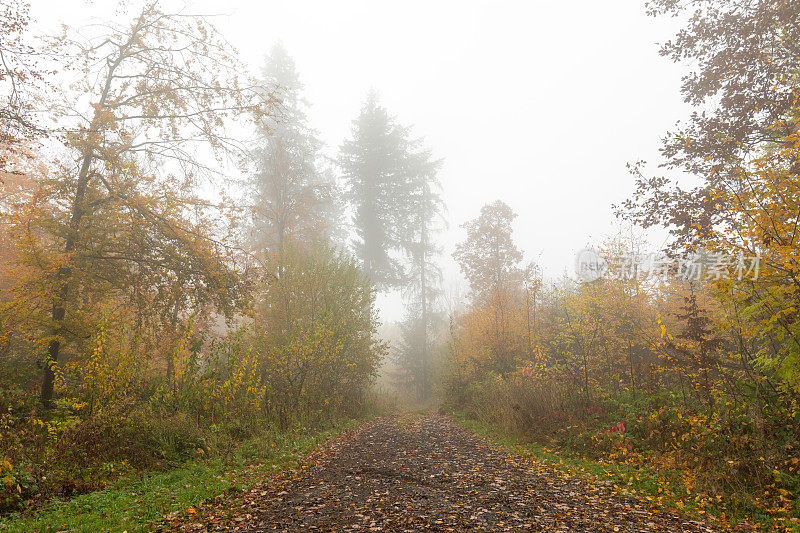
(19, 76)
(154, 99)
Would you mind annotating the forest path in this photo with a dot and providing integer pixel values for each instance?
(426, 473)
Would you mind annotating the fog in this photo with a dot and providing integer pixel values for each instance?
(357, 266)
(540, 105)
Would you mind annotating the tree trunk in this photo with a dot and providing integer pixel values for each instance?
(63, 275)
(77, 212)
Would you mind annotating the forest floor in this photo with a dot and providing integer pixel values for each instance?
(426, 473)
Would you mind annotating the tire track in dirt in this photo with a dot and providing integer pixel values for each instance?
(426, 473)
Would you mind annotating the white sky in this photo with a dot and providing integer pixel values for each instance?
(537, 103)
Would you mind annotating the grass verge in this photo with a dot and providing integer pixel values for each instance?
(134, 504)
(663, 487)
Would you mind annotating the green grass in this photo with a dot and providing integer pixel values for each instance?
(135, 503)
(661, 486)
(408, 419)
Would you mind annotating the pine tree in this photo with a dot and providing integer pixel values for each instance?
(294, 199)
(423, 275)
(375, 164)
(392, 185)
(696, 351)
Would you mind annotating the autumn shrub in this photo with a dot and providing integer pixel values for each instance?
(16, 408)
(517, 402)
(101, 377)
(16, 484)
(142, 436)
(645, 378)
(139, 325)
(315, 333)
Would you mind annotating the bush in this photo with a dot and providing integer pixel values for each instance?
(17, 483)
(315, 331)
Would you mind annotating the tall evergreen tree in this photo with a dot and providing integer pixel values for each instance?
(423, 274)
(294, 198)
(375, 164)
(392, 185)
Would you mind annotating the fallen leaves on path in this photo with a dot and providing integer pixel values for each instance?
(426, 474)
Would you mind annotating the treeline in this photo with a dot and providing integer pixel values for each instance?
(181, 265)
(690, 370)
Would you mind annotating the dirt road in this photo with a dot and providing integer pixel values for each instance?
(426, 473)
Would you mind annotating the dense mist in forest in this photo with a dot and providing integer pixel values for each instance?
(230, 230)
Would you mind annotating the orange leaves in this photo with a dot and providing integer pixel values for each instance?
(763, 208)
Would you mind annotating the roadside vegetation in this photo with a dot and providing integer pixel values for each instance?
(138, 501)
(188, 280)
(681, 364)
(176, 302)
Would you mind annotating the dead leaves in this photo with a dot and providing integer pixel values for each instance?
(428, 476)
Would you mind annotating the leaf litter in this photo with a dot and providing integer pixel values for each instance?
(426, 474)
